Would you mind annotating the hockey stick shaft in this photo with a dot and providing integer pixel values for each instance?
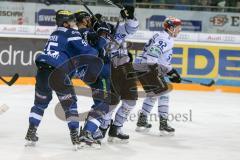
(114, 4)
(12, 81)
(89, 11)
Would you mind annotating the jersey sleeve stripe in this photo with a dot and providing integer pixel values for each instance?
(74, 38)
(152, 55)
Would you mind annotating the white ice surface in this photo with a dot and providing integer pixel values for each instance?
(213, 133)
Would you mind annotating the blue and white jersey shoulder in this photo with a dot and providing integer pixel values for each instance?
(126, 30)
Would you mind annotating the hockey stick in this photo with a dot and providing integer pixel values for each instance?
(91, 13)
(212, 82)
(12, 81)
(114, 4)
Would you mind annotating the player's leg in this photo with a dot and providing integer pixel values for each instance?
(43, 95)
(92, 132)
(163, 109)
(127, 88)
(61, 84)
(142, 123)
(106, 120)
(104, 96)
(153, 86)
(115, 132)
(92, 124)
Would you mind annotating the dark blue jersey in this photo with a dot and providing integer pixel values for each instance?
(84, 32)
(98, 43)
(93, 38)
(63, 45)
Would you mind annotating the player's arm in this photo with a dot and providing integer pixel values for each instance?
(80, 45)
(131, 24)
(102, 30)
(170, 71)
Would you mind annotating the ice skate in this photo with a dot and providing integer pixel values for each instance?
(165, 129)
(100, 134)
(87, 141)
(31, 136)
(75, 139)
(116, 136)
(142, 124)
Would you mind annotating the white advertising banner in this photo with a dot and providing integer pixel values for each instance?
(39, 19)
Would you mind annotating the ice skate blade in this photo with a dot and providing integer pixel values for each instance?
(30, 144)
(117, 140)
(142, 129)
(166, 134)
(75, 147)
(87, 146)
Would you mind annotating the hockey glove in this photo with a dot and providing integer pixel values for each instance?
(174, 76)
(127, 12)
(92, 38)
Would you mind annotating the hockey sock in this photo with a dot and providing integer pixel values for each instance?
(163, 106)
(148, 104)
(106, 120)
(123, 112)
(36, 114)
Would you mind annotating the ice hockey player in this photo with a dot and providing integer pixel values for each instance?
(120, 84)
(65, 51)
(96, 36)
(156, 58)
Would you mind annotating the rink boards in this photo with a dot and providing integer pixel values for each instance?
(200, 62)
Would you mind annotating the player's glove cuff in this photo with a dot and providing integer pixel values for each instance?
(174, 76)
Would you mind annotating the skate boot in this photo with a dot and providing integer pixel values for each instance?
(142, 124)
(75, 139)
(165, 129)
(116, 136)
(87, 140)
(31, 136)
(100, 134)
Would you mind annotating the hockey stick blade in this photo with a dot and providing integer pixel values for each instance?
(203, 84)
(12, 81)
(208, 84)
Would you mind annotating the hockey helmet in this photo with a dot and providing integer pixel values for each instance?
(80, 15)
(64, 16)
(172, 25)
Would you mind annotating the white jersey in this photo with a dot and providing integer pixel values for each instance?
(158, 50)
(119, 54)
